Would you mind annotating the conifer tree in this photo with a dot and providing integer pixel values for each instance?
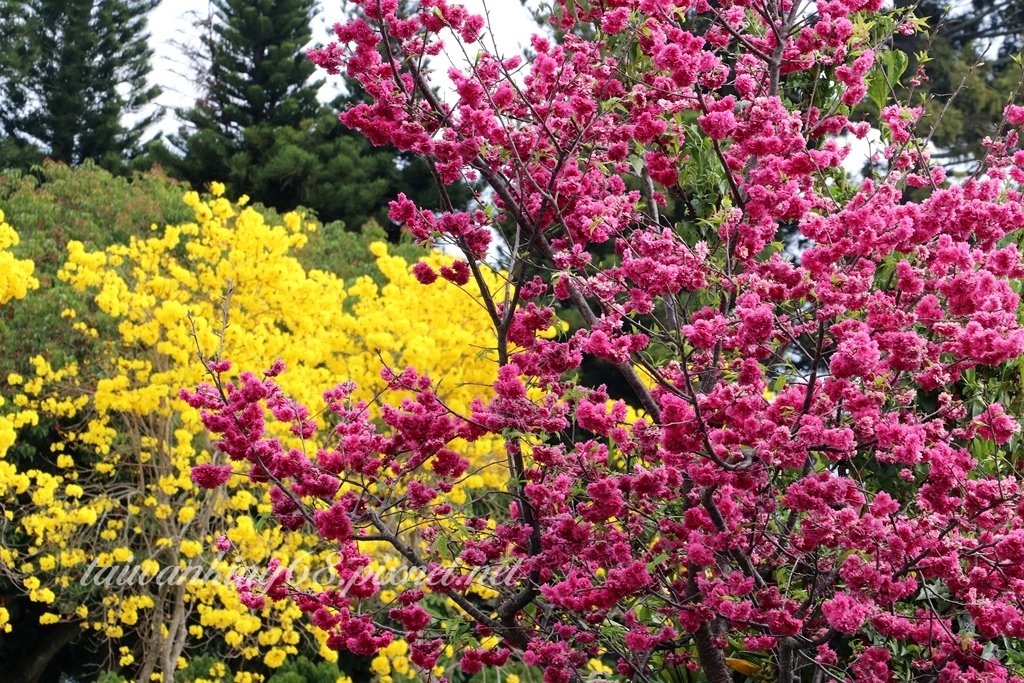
(258, 72)
(971, 71)
(259, 128)
(71, 72)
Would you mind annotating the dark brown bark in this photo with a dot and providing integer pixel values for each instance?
(52, 639)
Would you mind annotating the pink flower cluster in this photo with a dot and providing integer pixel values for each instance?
(819, 465)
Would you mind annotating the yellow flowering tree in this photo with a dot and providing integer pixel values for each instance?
(15, 282)
(112, 535)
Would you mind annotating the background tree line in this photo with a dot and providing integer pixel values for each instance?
(78, 87)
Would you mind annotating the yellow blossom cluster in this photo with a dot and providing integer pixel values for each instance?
(15, 282)
(114, 493)
(15, 274)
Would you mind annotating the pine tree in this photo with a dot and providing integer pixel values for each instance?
(971, 69)
(252, 73)
(259, 128)
(72, 70)
(259, 73)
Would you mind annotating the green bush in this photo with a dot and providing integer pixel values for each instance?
(52, 205)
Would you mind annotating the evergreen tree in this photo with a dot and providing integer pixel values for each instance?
(71, 71)
(253, 74)
(258, 73)
(970, 71)
(259, 128)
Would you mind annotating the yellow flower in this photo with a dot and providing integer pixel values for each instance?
(122, 555)
(293, 221)
(190, 548)
(274, 658)
(216, 189)
(15, 274)
(159, 296)
(380, 665)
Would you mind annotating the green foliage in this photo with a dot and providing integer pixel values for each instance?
(254, 84)
(966, 53)
(86, 203)
(198, 667)
(980, 91)
(110, 677)
(315, 163)
(302, 670)
(258, 73)
(888, 71)
(70, 70)
(259, 129)
(299, 670)
(52, 205)
(346, 253)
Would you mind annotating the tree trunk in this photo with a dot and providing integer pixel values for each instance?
(33, 665)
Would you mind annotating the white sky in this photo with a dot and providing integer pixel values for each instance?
(170, 23)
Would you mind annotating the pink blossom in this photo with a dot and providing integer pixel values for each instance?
(845, 613)
(1014, 114)
(211, 476)
(736, 442)
(615, 20)
(424, 273)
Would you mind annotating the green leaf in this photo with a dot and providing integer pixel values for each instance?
(896, 64)
(658, 559)
(261, 521)
(878, 89)
(637, 164)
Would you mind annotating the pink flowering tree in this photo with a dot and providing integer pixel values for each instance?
(811, 471)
